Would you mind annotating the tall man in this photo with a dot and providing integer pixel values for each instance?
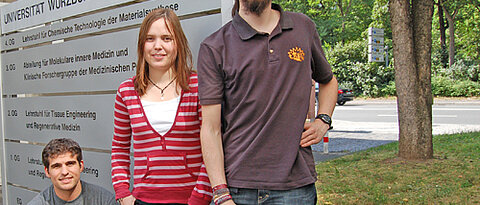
(63, 163)
(254, 86)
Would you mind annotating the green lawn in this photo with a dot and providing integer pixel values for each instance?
(377, 176)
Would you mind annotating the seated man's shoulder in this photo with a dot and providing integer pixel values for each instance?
(98, 193)
(38, 200)
(41, 197)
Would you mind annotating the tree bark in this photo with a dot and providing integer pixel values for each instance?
(412, 52)
(443, 37)
(451, 32)
(451, 45)
(344, 13)
(422, 35)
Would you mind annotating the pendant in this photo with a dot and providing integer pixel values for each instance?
(161, 97)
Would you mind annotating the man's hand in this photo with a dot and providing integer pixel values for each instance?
(129, 200)
(313, 133)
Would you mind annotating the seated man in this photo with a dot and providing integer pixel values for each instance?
(63, 163)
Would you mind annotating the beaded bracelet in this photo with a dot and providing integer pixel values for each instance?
(222, 199)
(220, 192)
(220, 186)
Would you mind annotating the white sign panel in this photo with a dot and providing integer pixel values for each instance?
(375, 49)
(88, 119)
(376, 58)
(111, 19)
(375, 31)
(73, 67)
(27, 13)
(375, 40)
(19, 196)
(26, 168)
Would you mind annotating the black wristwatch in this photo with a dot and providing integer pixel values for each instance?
(326, 119)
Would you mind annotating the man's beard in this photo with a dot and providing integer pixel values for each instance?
(255, 6)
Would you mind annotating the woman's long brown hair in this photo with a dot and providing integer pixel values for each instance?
(183, 64)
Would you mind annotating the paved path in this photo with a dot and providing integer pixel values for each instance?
(348, 137)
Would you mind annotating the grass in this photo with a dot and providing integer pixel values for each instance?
(377, 176)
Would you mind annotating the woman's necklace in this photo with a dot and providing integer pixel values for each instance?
(161, 90)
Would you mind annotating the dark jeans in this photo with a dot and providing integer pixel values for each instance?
(306, 195)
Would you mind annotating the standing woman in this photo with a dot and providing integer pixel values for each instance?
(160, 110)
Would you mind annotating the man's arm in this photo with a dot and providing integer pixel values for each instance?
(327, 97)
(212, 148)
(211, 139)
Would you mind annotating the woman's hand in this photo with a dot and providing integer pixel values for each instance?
(129, 200)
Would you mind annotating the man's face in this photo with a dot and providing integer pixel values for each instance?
(255, 6)
(64, 171)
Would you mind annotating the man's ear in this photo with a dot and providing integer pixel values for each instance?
(81, 166)
(46, 172)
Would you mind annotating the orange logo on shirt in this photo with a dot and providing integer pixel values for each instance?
(296, 54)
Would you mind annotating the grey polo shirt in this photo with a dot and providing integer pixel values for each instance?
(263, 82)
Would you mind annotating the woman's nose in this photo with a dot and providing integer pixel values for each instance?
(158, 45)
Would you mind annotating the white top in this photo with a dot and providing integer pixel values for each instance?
(161, 115)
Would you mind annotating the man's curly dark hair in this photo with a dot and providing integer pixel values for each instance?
(58, 147)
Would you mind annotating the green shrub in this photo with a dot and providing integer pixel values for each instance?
(461, 70)
(349, 63)
(444, 86)
(390, 89)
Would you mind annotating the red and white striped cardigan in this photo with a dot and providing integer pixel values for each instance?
(168, 168)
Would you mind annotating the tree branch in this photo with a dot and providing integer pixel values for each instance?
(340, 6)
(348, 7)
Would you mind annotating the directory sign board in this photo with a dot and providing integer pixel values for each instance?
(27, 13)
(104, 21)
(73, 67)
(88, 119)
(375, 45)
(60, 73)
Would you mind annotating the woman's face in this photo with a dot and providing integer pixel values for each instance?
(160, 49)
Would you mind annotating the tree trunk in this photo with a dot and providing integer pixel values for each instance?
(344, 13)
(451, 32)
(422, 35)
(412, 53)
(451, 45)
(443, 37)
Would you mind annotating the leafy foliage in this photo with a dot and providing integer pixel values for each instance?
(444, 86)
(346, 47)
(349, 62)
(461, 70)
